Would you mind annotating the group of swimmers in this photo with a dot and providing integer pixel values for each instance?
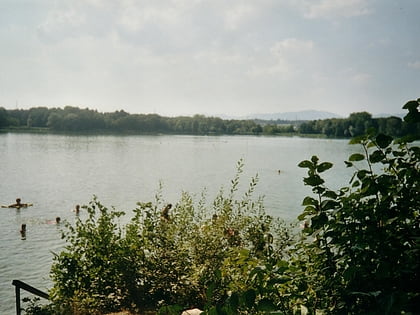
(19, 205)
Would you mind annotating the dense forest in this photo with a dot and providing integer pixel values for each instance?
(74, 119)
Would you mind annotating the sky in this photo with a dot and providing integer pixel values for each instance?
(211, 57)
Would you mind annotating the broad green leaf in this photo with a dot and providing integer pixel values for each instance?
(328, 204)
(314, 159)
(411, 105)
(324, 166)
(319, 220)
(319, 190)
(371, 145)
(305, 164)
(266, 305)
(309, 201)
(356, 157)
(357, 140)
(349, 273)
(362, 174)
(412, 117)
(249, 297)
(309, 210)
(348, 164)
(383, 140)
(313, 180)
(233, 300)
(213, 311)
(376, 156)
(330, 194)
(398, 153)
(302, 216)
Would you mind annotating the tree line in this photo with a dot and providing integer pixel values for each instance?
(74, 119)
(358, 124)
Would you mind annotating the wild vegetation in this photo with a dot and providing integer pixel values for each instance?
(74, 119)
(357, 251)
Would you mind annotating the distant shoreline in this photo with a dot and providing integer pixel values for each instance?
(30, 130)
(74, 120)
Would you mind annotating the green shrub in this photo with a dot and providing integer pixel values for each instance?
(166, 255)
(361, 252)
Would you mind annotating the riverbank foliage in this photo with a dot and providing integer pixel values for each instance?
(179, 254)
(73, 119)
(357, 252)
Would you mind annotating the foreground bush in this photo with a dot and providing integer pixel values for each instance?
(359, 251)
(166, 255)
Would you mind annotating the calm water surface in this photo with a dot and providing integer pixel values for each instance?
(56, 172)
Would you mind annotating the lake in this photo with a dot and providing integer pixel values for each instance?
(56, 172)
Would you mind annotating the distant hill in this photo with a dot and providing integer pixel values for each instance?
(301, 116)
(384, 115)
(298, 115)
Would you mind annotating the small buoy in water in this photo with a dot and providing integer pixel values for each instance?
(279, 171)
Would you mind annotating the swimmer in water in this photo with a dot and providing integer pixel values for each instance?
(19, 205)
(77, 209)
(56, 221)
(23, 231)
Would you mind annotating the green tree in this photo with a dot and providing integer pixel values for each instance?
(3, 117)
(38, 117)
(362, 242)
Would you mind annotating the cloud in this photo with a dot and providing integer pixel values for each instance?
(135, 15)
(239, 14)
(76, 18)
(288, 57)
(220, 58)
(414, 65)
(61, 21)
(361, 78)
(291, 46)
(194, 55)
(332, 9)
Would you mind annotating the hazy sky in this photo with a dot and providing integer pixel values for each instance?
(183, 57)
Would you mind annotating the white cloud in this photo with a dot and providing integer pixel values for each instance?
(206, 53)
(221, 58)
(414, 64)
(288, 57)
(237, 15)
(135, 15)
(361, 78)
(291, 47)
(332, 9)
(62, 19)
